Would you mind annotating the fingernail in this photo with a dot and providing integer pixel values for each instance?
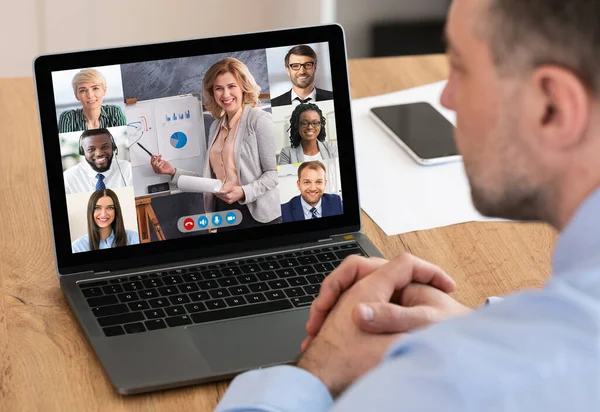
(366, 312)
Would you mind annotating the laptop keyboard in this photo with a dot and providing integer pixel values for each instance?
(230, 289)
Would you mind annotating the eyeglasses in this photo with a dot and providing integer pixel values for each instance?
(304, 124)
(296, 66)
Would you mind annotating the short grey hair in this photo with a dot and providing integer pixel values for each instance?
(525, 34)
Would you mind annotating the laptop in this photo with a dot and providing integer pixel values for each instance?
(187, 257)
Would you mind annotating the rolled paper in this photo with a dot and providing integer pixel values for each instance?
(199, 184)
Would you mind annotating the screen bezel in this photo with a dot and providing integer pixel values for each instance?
(201, 246)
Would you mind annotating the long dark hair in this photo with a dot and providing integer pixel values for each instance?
(117, 225)
(294, 128)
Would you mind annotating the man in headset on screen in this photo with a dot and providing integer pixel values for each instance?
(98, 171)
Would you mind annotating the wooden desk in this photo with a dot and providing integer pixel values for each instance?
(45, 361)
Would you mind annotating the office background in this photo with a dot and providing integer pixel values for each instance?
(32, 27)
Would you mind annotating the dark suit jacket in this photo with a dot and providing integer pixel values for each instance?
(286, 98)
(331, 205)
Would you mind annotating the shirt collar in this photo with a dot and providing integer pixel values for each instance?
(236, 118)
(109, 240)
(580, 240)
(312, 95)
(306, 207)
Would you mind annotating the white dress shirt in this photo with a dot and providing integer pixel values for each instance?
(306, 208)
(312, 96)
(82, 178)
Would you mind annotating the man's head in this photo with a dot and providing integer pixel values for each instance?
(301, 66)
(524, 85)
(97, 146)
(311, 181)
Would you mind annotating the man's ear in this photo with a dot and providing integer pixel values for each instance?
(562, 107)
(298, 183)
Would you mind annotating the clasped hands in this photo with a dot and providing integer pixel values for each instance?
(366, 304)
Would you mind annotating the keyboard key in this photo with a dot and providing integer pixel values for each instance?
(297, 281)
(116, 280)
(239, 290)
(216, 304)
(131, 286)
(275, 295)
(292, 255)
(341, 254)
(140, 305)
(293, 292)
(148, 293)
(178, 321)
(285, 273)
(110, 310)
(191, 277)
(175, 310)
(159, 303)
(137, 277)
(230, 281)
(278, 284)
(177, 271)
(195, 307)
(310, 252)
(302, 301)
(266, 276)
(216, 266)
(231, 271)
(307, 260)
(211, 274)
(135, 327)
(152, 283)
(269, 265)
(305, 270)
(326, 257)
(155, 314)
(92, 292)
(113, 331)
(172, 280)
(256, 298)
(179, 299)
(258, 287)
(237, 263)
(255, 260)
(120, 319)
(155, 324)
(288, 263)
(93, 284)
(252, 268)
(198, 296)
(112, 289)
(128, 297)
(239, 311)
(348, 246)
(208, 284)
(219, 293)
(247, 279)
(168, 290)
(324, 267)
(103, 301)
(312, 289)
(188, 287)
(235, 301)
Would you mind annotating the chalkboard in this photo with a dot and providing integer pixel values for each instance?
(173, 77)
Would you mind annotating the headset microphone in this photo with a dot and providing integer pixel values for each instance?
(115, 150)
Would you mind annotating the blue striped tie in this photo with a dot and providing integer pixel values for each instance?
(100, 184)
(313, 211)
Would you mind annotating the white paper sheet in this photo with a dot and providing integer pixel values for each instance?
(397, 193)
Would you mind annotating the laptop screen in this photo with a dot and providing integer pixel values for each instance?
(193, 146)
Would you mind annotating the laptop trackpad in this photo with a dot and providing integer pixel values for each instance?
(248, 343)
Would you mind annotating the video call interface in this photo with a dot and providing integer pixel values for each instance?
(165, 149)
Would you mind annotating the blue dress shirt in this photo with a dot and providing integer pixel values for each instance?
(534, 351)
(306, 209)
(82, 244)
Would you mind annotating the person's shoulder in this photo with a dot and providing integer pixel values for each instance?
(257, 113)
(81, 244)
(133, 237)
(332, 197)
(111, 107)
(72, 170)
(292, 202)
(323, 94)
(283, 99)
(67, 113)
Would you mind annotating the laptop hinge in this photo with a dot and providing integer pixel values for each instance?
(106, 272)
(329, 239)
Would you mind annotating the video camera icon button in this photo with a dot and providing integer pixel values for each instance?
(230, 218)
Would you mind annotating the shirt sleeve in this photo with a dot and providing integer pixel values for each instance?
(276, 389)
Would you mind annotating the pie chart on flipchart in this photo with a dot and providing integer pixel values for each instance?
(178, 140)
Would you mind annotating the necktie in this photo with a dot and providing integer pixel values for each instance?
(100, 184)
(313, 212)
(303, 100)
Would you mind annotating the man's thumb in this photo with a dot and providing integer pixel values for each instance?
(391, 318)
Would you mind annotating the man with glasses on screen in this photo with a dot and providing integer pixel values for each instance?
(301, 66)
